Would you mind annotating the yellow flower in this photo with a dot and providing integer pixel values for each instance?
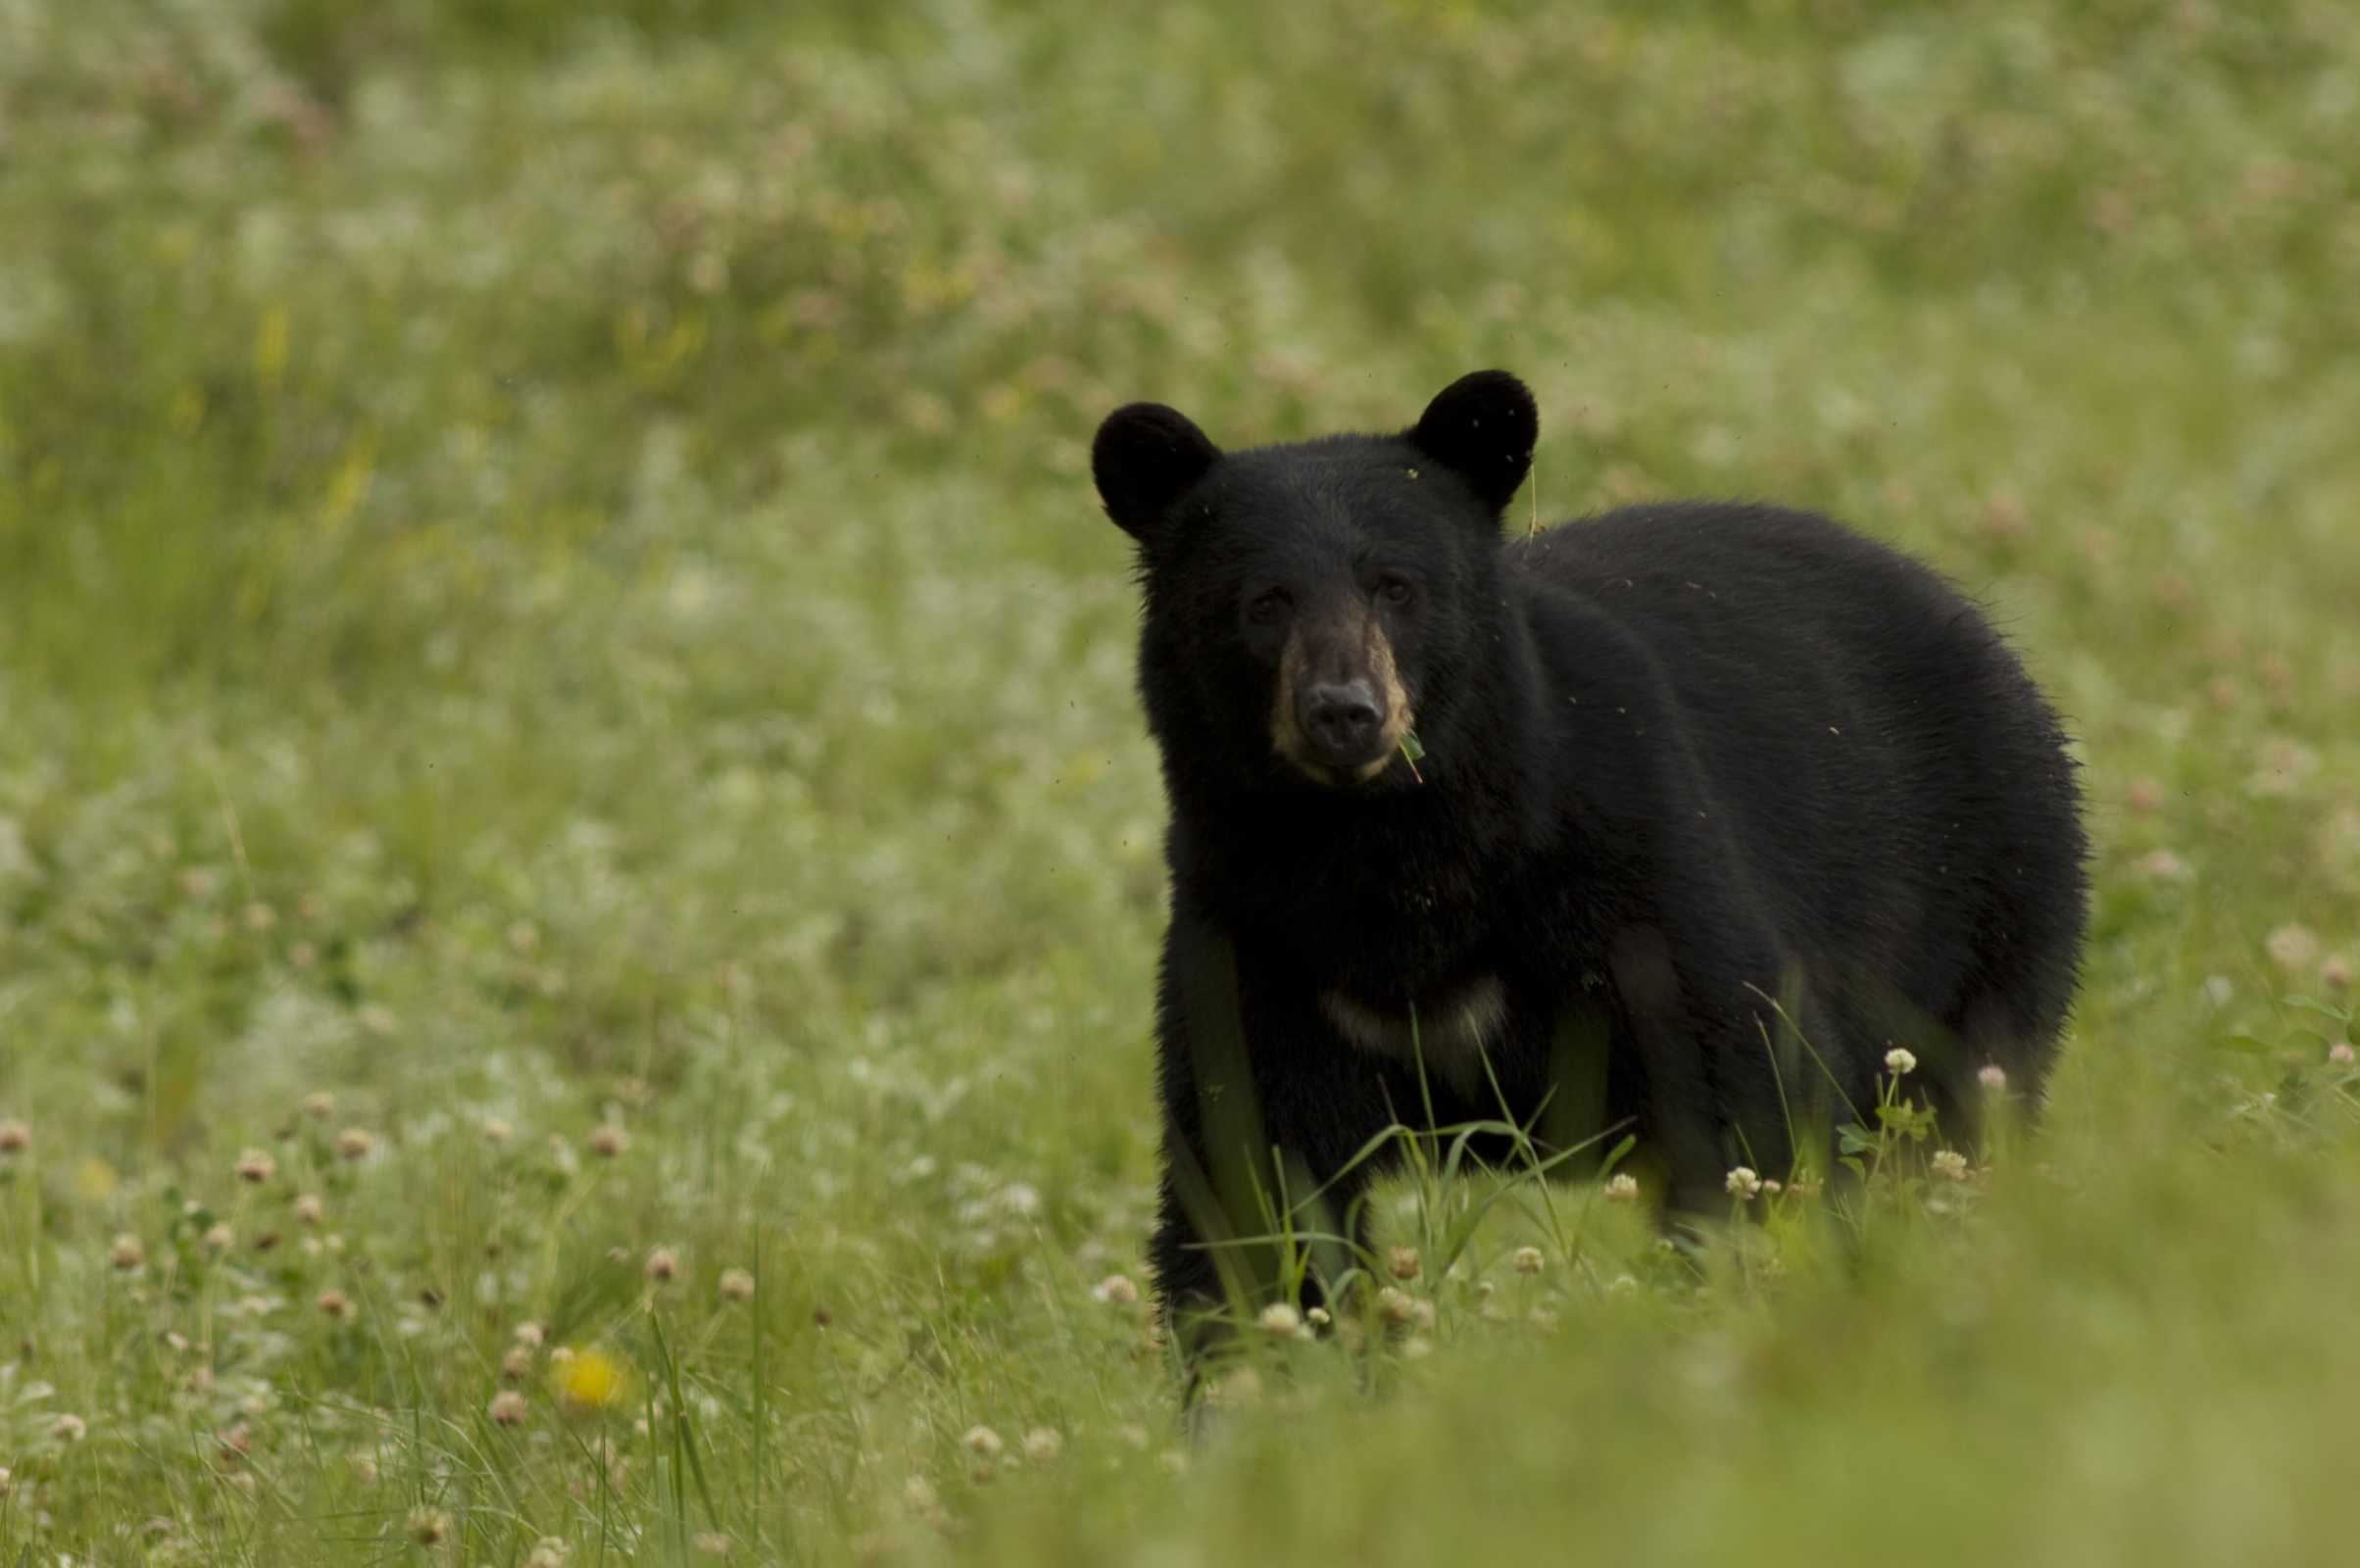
(589, 1379)
(95, 1180)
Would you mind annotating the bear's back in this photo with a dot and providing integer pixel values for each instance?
(1757, 612)
(1663, 559)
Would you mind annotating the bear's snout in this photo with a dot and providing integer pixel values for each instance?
(1342, 721)
(1340, 708)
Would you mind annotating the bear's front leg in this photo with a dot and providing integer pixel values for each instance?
(1263, 1106)
(1708, 1017)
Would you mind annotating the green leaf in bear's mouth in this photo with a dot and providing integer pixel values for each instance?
(1411, 750)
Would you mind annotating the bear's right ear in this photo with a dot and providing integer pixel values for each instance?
(1145, 456)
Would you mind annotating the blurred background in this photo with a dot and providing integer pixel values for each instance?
(549, 582)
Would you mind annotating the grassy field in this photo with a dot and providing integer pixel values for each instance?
(579, 870)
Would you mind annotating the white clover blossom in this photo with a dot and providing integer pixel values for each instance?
(2292, 947)
(1280, 1320)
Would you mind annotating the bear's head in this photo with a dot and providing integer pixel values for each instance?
(1312, 608)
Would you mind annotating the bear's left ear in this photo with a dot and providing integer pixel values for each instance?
(1144, 457)
(1482, 427)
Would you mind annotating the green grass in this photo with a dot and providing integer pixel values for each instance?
(548, 582)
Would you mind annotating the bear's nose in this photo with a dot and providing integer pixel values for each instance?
(1341, 719)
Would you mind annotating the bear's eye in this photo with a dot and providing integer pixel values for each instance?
(1269, 606)
(1395, 589)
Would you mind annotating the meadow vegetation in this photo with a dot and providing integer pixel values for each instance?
(579, 870)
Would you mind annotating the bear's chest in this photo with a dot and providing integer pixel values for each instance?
(1388, 936)
(1388, 915)
(1445, 1030)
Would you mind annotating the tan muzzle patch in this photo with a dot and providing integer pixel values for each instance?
(1370, 658)
(1387, 679)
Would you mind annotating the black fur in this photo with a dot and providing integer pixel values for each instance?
(1679, 760)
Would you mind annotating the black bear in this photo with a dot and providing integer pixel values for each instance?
(1676, 819)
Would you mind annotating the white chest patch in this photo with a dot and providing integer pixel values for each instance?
(1452, 1030)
